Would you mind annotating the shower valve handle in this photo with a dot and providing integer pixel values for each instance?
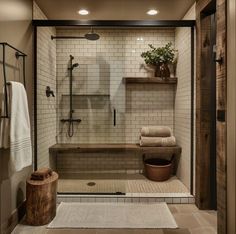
(49, 92)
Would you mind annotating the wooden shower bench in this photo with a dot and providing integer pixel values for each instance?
(102, 148)
(172, 152)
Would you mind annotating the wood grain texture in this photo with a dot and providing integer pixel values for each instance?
(203, 106)
(221, 85)
(96, 148)
(41, 200)
(149, 80)
(202, 121)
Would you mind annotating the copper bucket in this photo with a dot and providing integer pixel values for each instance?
(158, 169)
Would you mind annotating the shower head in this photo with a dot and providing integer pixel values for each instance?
(92, 36)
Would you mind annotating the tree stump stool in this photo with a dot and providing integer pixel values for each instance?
(41, 199)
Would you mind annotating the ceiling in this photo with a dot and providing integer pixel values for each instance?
(115, 9)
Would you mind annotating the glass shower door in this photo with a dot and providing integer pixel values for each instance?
(96, 165)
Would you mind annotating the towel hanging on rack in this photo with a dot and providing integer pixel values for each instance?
(5, 122)
(17, 128)
(20, 133)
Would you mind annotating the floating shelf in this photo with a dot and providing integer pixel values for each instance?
(149, 80)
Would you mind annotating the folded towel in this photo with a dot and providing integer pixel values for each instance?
(5, 122)
(157, 141)
(156, 131)
(20, 139)
(41, 174)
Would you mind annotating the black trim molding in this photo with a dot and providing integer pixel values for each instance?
(116, 23)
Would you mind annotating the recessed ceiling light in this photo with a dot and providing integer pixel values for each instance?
(83, 12)
(152, 12)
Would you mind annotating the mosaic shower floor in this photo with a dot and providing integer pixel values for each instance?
(131, 185)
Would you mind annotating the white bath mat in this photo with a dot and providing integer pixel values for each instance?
(113, 215)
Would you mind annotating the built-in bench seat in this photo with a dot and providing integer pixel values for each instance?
(96, 148)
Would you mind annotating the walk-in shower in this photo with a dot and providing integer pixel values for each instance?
(105, 94)
(70, 120)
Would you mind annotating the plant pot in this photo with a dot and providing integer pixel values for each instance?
(158, 169)
(162, 70)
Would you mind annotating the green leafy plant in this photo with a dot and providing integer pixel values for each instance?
(161, 55)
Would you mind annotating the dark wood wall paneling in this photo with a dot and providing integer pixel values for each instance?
(202, 121)
(221, 83)
(202, 114)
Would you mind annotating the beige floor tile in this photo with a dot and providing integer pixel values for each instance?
(203, 230)
(176, 231)
(186, 220)
(173, 208)
(186, 208)
(206, 219)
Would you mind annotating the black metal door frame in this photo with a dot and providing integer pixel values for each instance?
(118, 23)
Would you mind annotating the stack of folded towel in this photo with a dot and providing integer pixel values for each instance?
(41, 174)
(157, 136)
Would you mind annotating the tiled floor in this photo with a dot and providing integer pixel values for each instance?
(189, 219)
(135, 183)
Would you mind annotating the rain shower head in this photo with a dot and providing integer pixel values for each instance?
(92, 36)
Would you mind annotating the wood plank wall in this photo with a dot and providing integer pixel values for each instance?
(202, 114)
(202, 125)
(221, 84)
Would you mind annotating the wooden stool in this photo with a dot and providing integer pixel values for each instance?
(41, 199)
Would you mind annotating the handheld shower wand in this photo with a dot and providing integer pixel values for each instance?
(71, 120)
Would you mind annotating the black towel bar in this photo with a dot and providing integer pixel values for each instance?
(18, 55)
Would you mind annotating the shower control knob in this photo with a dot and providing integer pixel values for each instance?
(49, 92)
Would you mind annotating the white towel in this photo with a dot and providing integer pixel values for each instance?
(157, 141)
(20, 138)
(156, 131)
(5, 122)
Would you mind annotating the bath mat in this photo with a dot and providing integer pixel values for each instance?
(113, 215)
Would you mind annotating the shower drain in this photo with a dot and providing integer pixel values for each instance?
(91, 183)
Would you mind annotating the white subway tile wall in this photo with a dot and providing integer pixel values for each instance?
(182, 120)
(182, 105)
(98, 88)
(46, 76)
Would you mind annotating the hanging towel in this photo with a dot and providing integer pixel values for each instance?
(156, 131)
(20, 139)
(157, 141)
(5, 122)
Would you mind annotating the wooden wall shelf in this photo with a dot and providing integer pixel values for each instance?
(149, 80)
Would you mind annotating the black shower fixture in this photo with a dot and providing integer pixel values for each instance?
(71, 120)
(91, 36)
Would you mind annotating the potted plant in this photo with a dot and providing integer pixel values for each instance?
(160, 58)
